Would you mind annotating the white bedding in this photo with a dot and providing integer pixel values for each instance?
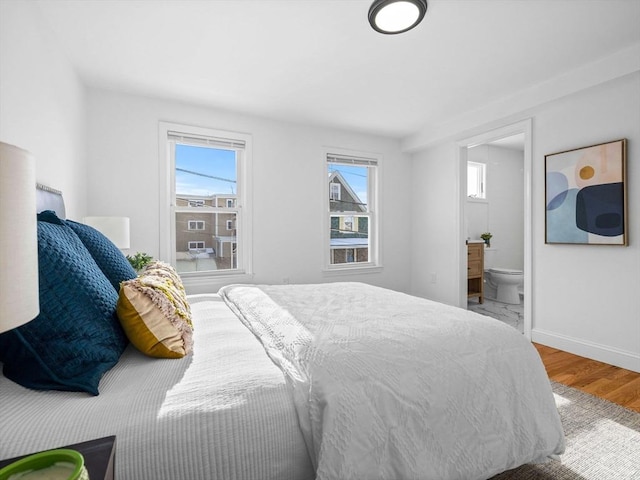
(389, 386)
(223, 413)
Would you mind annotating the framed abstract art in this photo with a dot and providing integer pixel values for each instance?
(586, 197)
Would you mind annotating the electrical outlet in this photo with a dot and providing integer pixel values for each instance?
(285, 281)
(433, 277)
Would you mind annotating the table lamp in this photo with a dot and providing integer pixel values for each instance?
(19, 290)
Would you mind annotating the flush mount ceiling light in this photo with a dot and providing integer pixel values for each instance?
(396, 16)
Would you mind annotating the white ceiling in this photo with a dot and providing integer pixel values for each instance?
(318, 61)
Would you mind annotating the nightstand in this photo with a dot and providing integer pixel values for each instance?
(99, 457)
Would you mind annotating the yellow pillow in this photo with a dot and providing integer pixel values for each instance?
(155, 315)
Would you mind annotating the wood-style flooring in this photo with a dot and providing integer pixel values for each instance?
(600, 379)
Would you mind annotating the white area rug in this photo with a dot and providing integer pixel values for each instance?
(603, 441)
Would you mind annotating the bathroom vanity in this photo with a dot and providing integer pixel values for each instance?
(475, 270)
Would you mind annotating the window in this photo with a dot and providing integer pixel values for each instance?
(196, 224)
(334, 191)
(351, 221)
(350, 255)
(476, 180)
(206, 191)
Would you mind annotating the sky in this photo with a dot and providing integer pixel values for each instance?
(203, 163)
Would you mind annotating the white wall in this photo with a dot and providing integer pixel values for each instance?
(585, 298)
(123, 173)
(502, 213)
(434, 257)
(42, 103)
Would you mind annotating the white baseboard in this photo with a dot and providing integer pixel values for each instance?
(584, 348)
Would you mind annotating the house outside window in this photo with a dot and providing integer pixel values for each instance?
(352, 220)
(207, 175)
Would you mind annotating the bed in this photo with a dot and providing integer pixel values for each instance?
(331, 381)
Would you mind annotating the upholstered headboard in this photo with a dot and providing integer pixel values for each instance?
(48, 198)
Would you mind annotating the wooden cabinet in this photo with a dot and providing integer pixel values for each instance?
(475, 271)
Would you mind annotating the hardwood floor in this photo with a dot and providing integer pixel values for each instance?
(600, 379)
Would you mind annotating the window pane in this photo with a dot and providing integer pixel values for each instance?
(211, 248)
(348, 188)
(475, 180)
(202, 172)
(205, 177)
(349, 239)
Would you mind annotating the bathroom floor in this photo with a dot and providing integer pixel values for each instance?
(510, 314)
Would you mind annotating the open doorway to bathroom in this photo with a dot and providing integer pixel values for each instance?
(495, 187)
(495, 212)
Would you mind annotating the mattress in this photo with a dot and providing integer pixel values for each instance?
(224, 412)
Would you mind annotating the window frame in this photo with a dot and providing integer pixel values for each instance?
(242, 202)
(374, 263)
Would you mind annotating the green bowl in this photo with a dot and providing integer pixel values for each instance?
(41, 460)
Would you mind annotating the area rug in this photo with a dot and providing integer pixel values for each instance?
(602, 441)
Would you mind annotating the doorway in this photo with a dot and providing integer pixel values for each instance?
(498, 136)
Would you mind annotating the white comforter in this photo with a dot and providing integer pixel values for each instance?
(390, 386)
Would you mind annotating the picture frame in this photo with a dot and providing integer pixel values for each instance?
(586, 195)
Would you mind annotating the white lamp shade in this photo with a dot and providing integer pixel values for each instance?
(19, 289)
(115, 229)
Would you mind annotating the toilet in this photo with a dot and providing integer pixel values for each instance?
(501, 284)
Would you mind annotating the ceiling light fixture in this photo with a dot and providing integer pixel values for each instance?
(396, 16)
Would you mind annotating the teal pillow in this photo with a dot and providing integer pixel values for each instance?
(76, 337)
(109, 258)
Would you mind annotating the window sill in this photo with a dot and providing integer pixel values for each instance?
(477, 200)
(198, 282)
(362, 270)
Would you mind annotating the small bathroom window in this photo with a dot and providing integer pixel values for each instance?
(476, 180)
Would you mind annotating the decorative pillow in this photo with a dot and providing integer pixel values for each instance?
(155, 314)
(164, 270)
(109, 258)
(76, 337)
